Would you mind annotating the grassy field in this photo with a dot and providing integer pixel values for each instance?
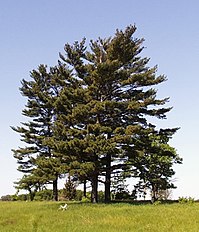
(45, 216)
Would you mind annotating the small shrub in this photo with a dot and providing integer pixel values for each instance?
(44, 195)
(157, 202)
(6, 198)
(85, 200)
(79, 195)
(185, 200)
(69, 190)
(123, 195)
(100, 196)
(21, 197)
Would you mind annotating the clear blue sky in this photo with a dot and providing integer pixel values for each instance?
(34, 32)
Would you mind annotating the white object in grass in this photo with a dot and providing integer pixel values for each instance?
(63, 207)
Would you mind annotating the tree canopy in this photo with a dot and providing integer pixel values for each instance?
(90, 117)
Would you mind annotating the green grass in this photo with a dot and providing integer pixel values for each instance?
(121, 217)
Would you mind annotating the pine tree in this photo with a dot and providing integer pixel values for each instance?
(37, 158)
(154, 161)
(69, 190)
(90, 114)
(73, 139)
(30, 183)
(119, 98)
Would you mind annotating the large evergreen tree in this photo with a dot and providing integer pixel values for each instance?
(154, 159)
(90, 115)
(121, 96)
(36, 158)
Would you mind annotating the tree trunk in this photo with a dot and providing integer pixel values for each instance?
(55, 189)
(94, 191)
(84, 192)
(153, 193)
(32, 195)
(108, 179)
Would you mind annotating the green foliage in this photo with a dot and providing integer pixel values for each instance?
(119, 188)
(158, 202)
(22, 197)
(186, 200)
(101, 196)
(37, 158)
(89, 117)
(44, 195)
(79, 195)
(154, 162)
(85, 200)
(69, 190)
(7, 198)
(123, 195)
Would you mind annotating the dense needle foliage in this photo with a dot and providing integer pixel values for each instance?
(90, 118)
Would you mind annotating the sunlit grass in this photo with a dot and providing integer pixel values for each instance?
(45, 216)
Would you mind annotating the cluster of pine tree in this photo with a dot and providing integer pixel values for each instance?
(89, 117)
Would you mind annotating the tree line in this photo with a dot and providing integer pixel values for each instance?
(89, 117)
